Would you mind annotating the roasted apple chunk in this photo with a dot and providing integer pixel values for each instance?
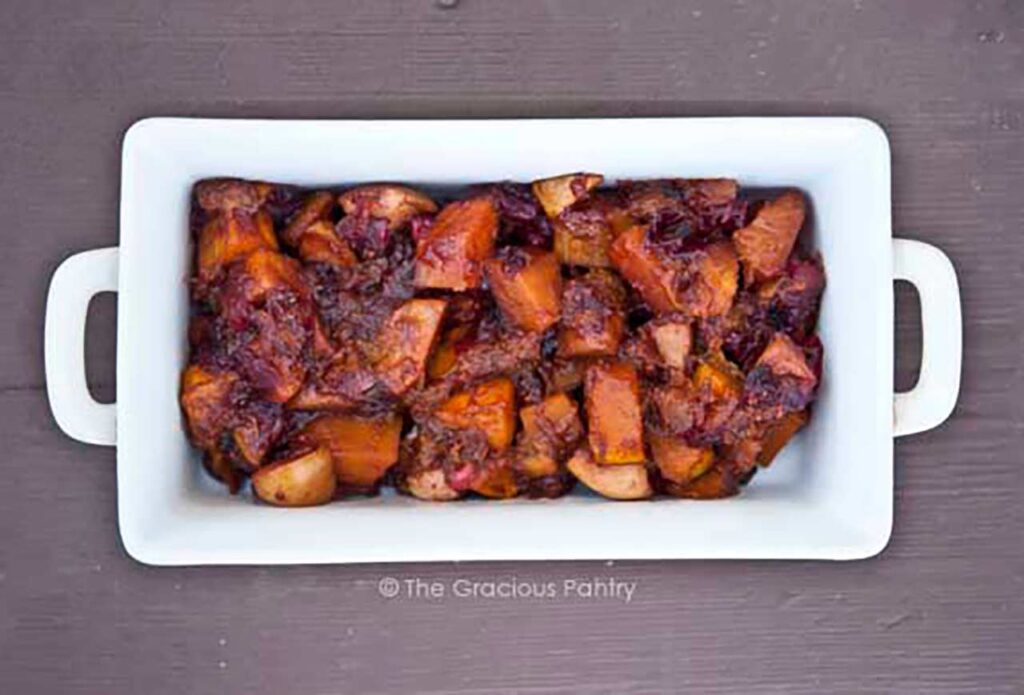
(405, 343)
(559, 192)
(362, 449)
(673, 339)
(621, 482)
(298, 480)
(527, 284)
(593, 315)
(766, 243)
(489, 407)
(614, 421)
(387, 201)
(452, 252)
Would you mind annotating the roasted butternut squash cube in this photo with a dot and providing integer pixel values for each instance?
(527, 284)
(583, 233)
(551, 429)
(650, 274)
(593, 315)
(206, 399)
(396, 204)
(622, 482)
(778, 434)
(452, 252)
(612, 391)
(719, 376)
(232, 235)
(496, 480)
(765, 244)
(712, 277)
(677, 461)
(405, 343)
(489, 407)
(672, 339)
(717, 483)
(557, 193)
(362, 449)
(301, 480)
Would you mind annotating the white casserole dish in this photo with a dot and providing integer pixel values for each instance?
(828, 496)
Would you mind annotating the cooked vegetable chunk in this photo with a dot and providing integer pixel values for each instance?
(452, 252)
(677, 461)
(301, 480)
(430, 485)
(653, 276)
(593, 315)
(362, 449)
(613, 413)
(405, 343)
(673, 339)
(584, 232)
(711, 278)
(765, 244)
(489, 407)
(551, 430)
(559, 192)
(622, 482)
(206, 399)
(396, 204)
(778, 434)
(717, 483)
(231, 235)
(784, 358)
(527, 284)
(496, 480)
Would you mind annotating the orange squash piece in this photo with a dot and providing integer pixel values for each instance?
(527, 284)
(652, 276)
(362, 449)
(593, 315)
(405, 342)
(778, 435)
(614, 421)
(547, 426)
(677, 461)
(489, 407)
(231, 235)
(451, 254)
(391, 202)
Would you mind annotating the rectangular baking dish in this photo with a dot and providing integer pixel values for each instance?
(828, 496)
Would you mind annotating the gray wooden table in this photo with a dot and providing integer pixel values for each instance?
(942, 610)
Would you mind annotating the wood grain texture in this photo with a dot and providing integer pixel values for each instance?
(941, 611)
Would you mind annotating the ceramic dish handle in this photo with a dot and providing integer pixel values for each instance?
(932, 400)
(76, 281)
